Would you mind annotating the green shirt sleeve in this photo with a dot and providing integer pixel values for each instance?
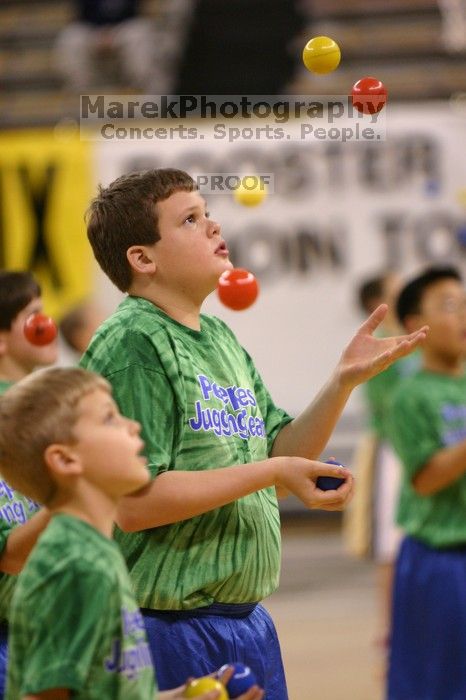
(66, 623)
(412, 433)
(146, 396)
(144, 391)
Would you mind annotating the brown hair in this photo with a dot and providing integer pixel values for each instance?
(17, 290)
(124, 214)
(38, 411)
(410, 298)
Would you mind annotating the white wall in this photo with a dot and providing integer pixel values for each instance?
(364, 205)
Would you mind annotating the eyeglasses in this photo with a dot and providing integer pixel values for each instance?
(452, 306)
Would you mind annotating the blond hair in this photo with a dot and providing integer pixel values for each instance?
(38, 411)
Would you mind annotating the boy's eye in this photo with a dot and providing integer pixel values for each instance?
(193, 217)
(110, 417)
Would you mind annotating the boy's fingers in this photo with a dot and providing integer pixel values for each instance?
(254, 693)
(409, 341)
(226, 675)
(415, 334)
(374, 320)
(336, 470)
(404, 345)
(336, 496)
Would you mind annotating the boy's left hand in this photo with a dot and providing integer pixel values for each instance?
(254, 693)
(178, 694)
(366, 355)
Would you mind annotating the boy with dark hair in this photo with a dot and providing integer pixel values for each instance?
(202, 540)
(377, 466)
(428, 430)
(76, 630)
(20, 296)
(22, 522)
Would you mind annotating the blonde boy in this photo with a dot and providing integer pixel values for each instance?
(76, 630)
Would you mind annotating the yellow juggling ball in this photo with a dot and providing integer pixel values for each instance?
(251, 191)
(199, 686)
(321, 55)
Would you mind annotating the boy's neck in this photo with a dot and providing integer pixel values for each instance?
(89, 504)
(452, 366)
(180, 307)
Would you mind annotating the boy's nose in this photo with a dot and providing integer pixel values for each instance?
(134, 426)
(213, 228)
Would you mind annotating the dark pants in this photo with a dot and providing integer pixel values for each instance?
(3, 657)
(198, 642)
(428, 641)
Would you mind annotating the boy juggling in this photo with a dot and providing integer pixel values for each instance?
(202, 540)
(428, 430)
(76, 630)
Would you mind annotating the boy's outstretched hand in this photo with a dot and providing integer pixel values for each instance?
(367, 355)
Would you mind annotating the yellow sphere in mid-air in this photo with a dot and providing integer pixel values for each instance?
(321, 55)
(251, 191)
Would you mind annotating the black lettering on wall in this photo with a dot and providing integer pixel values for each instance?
(39, 198)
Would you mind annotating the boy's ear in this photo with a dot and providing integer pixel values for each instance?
(3, 343)
(413, 322)
(140, 259)
(62, 460)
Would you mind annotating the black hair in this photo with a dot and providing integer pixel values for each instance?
(410, 298)
(17, 290)
(370, 290)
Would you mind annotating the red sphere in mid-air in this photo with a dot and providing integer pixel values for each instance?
(369, 95)
(237, 289)
(40, 329)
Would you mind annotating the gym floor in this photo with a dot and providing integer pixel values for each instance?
(325, 612)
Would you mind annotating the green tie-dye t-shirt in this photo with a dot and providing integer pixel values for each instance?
(429, 414)
(381, 389)
(202, 405)
(74, 621)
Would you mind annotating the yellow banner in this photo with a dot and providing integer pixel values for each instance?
(45, 188)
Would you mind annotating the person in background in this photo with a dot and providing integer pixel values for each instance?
(102, 27)
(369, 523)
(427, 427)
(78, 326)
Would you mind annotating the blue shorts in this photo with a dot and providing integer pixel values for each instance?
(3, 657)
(428, 641)
(198, 642)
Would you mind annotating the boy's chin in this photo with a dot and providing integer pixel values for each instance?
(225, 266)
(137, 483)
